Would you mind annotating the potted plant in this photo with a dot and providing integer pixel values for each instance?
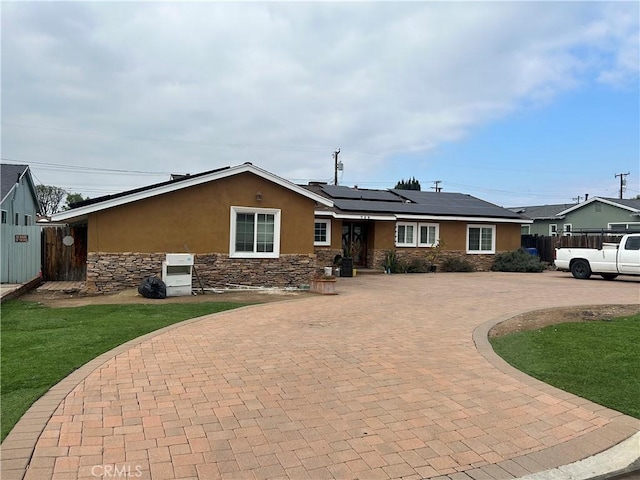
(346, 268)
(433, 256)
(323, 284)
(390, 263)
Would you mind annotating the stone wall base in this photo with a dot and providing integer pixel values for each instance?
(482, 263)
(112, 272)
(325, 256)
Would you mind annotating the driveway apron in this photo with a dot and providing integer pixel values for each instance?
(384, 380)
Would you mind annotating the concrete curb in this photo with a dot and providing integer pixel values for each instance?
(17, 448)
(622, 458)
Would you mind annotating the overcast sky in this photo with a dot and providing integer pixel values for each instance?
(517, 103)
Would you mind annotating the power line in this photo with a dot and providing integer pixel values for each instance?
(79, 168)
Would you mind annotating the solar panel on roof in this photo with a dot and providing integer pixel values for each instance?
(459, 206)
(353, 194)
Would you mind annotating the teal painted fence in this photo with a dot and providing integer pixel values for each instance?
(21, 253)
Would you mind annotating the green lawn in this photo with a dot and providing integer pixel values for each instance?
(597, 360)
(41, 345)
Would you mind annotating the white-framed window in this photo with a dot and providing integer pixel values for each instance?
(481, 239)
(322, 233)
(4, 217)
(16, 220)
(567, 230)
(525, 229)
(255, 233)
(28, 220)
(406, 234)
(428, 234)
(635, 226)
(553, 230)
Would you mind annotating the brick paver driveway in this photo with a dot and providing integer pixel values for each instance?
(384, 380)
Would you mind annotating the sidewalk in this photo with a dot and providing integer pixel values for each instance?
(7, 288)
(392, 378)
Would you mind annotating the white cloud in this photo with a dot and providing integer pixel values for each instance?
(192, 86)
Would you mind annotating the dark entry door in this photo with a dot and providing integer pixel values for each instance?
(354, 241)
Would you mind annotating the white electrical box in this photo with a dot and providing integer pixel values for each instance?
(176, 274)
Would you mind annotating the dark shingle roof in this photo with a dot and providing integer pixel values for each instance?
(627, 202)
(347, 193)
(549, 212)
(410, 202)
(9, 175)
(177, 179)
(445, 203)
(540, 212)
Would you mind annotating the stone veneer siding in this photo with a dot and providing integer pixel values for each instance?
(111, 272)
(481, 262)
(325, 256)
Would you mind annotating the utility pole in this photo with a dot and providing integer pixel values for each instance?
(335, 160)
(622, 181)
(436, 186)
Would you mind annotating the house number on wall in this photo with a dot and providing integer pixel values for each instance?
(21, 238)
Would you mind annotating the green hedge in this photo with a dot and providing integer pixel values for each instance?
(517, 261)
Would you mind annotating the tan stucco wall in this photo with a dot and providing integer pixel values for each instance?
(452, 234)
(507, 237)
(384, 236)
(199, 217)
(336, 233)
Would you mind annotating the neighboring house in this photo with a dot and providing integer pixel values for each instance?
(244, 225)
(248, 226)
(19, 199)
(595, 215)
(20, 257)
(367, 224)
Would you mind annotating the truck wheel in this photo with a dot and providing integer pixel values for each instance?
(580, 269)
(608, 276)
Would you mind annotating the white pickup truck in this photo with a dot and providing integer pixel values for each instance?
(611, 260)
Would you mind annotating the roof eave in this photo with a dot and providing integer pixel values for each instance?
(598, 199)
(83, 211)
(399, 216)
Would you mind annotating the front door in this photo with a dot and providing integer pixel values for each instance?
(354, 242)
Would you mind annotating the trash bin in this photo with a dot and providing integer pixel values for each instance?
(532, 251)
(346, 268)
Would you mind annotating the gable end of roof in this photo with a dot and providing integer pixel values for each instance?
(83, 209)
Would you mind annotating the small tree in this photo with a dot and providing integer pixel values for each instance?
(49, 198)
(73, 198)
(411, 184)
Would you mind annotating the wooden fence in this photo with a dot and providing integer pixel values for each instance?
(64, 253)
(546, 245)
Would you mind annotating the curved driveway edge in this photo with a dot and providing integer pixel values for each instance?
(381, 381)
(621, 429)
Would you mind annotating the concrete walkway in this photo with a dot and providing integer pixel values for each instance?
(393, 378)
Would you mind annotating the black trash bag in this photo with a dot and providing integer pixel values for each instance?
(153, 287)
